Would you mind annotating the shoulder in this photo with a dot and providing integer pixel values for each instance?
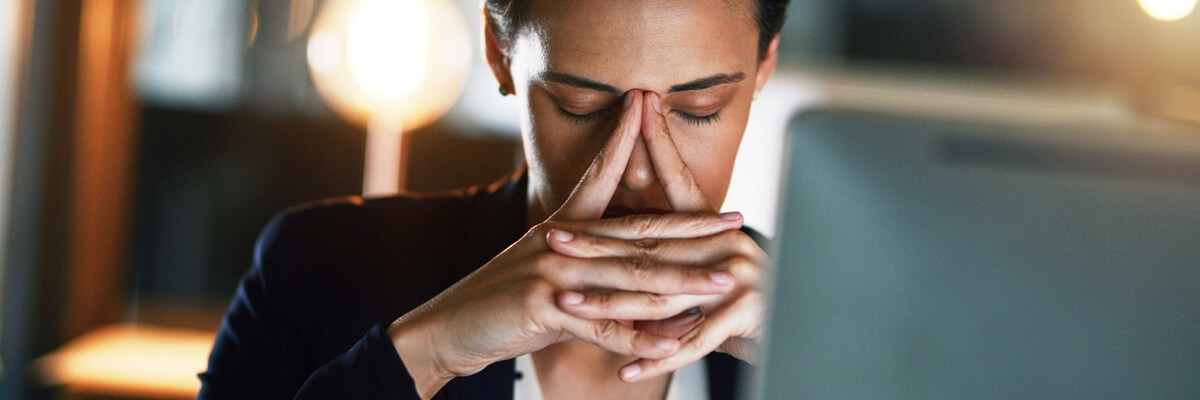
(359, 233)
(352, 226)
(351, 253)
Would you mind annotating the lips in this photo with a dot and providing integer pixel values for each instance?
(621, 211)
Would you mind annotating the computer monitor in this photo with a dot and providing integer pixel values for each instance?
(921, 258)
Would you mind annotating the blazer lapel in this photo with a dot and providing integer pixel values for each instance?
(723, 375)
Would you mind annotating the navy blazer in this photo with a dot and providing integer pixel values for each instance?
(310, 317)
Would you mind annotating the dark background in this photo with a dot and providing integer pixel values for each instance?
(207, 175)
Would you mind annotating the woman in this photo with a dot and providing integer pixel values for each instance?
(601, 270)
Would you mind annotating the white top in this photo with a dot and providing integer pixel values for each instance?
(688, 383)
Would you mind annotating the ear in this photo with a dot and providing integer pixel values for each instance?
(495, 51)
(766, 66)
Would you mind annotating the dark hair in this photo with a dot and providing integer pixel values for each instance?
(506, 17)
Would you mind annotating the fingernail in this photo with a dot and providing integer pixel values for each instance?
(631, 371)
(721, 277)
(731, 216)
(573, 298)
(562, 236)
(628, 99)
(665, 344)
(693, 310)
(654, 102)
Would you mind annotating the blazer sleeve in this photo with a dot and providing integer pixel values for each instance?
(263, 351)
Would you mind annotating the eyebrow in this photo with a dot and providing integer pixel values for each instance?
(699, 84)
(705, 83)
(576, 81)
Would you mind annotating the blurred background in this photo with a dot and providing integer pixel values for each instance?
(144, 143)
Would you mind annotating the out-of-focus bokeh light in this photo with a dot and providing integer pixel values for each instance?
(387, 45)
(1168, 10)
(404, 57)
(133, 360)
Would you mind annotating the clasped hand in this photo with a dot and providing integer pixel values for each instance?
(577, 276)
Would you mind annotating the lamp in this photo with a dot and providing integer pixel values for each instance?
(390, 66)
(1168, 10)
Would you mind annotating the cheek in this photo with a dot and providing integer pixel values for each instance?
(709, 153)
(557, 150)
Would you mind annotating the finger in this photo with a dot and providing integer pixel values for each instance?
(638, 275)
(745, 349)
(683, 193)
(612, 336)
(637, 306)
(698, 251)
(674, 225)
(673, 327)
(694, 345)
(599, 182)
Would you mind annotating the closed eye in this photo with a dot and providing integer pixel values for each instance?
(583, 119)
(698, 119)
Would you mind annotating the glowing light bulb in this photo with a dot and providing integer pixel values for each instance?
(387, 42)
(391, 66)
(403, 59)
(324, 53)
(1168, 10)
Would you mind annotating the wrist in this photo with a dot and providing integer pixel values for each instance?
(414, 345)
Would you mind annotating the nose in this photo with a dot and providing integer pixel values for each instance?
(639, 173)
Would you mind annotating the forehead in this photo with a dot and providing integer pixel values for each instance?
(643, 44)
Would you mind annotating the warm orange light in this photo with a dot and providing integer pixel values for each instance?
(1168, 10)
(392, 66)
(403, 58)
(132, 360)
(386, 47)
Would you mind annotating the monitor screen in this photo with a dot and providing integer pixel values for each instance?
(925, 258)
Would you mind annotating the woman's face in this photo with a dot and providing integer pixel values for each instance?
(574, 60)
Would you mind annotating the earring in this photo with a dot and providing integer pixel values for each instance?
(755, 98)
(504, 90)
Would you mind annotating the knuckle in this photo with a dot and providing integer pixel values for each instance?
(643, 225)
(645, 247)
(540, 230)
(547, 264)
(604, 331)
(745, 244)
(695, 218)
(696, 345)
(663, 364)
(741, 266)
(696, 276)
(601, 300)
(695, 341)
(637, 269)
(750, 299)
(540, 289)
(739, 242)
(655, 300)
(696, 221)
